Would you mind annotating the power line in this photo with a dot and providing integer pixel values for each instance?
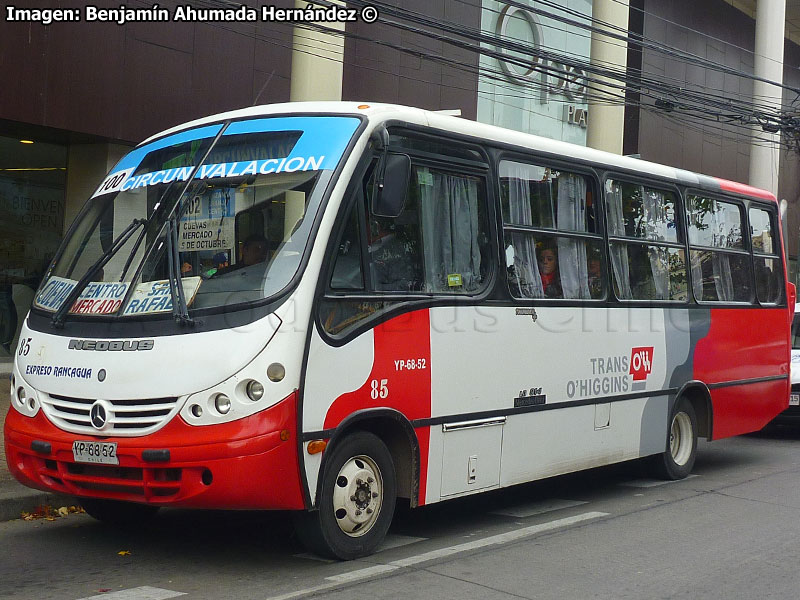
(660, 94)
(749, 113)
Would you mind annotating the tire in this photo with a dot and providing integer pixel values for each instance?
(677, 461)
(124, 515)
(356, 501)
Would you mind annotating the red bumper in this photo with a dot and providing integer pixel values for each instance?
(239, 465)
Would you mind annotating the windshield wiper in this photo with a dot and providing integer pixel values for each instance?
(61, 313)
(159, 207)
(180, 309)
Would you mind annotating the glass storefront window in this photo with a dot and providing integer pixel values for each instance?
(32, 187)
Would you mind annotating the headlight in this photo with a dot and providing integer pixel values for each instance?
(255, 391)
(222, 404)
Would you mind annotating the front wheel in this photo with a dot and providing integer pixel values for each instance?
(118, 513)
(356, 502)
(677, 461)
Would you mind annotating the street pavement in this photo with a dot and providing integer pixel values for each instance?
(728, 532)
(15, 498)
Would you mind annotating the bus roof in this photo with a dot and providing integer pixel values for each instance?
(379, 112)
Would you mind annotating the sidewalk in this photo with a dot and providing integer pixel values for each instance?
(15, 497)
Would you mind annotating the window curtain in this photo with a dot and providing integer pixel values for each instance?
(572, 264)
(655, 219)
(723, 228)
(528, 281)
(696, 260)
(619, 254)
(450, 236)
(723, 281)
(545, 213)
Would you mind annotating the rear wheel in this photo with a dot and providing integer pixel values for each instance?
(117, 513)
(677, 461)
(356, 502)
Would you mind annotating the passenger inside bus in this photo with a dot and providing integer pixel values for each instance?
(394, 253)
(595, 273)
(548, 269)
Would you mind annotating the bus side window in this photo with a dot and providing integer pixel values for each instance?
(454, 230)
(540, 264)
(439, 242)
(720, 264)
(393, 247)
(647, 257)
(768, 271)
(347, 272)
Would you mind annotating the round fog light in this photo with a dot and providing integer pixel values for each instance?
(255, 391)
(276, 372)
(222, 403)
(21, 395)
(197, 410)
(31, 403)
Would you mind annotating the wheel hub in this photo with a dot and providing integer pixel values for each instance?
(357, 495)
(680, 438)
(363, 494)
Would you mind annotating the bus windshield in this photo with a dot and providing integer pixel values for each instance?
(225, 211)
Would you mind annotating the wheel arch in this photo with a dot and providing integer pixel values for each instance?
(698, 394)
(394, 430)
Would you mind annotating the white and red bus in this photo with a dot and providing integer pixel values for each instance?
(323, 307)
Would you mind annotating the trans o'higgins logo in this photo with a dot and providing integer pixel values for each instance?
(641, 363)
(111, 346)
(614, 374)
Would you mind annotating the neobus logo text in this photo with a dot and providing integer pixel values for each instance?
(111, 346)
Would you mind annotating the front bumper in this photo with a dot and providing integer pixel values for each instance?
(244, 464)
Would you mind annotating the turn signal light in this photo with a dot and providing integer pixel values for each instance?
(316, 446)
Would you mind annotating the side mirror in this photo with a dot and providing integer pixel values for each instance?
(391, 185)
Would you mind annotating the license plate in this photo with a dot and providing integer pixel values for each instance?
(794, 399)
(104, 453)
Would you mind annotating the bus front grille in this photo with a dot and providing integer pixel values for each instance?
(115, 482)
(127, 417)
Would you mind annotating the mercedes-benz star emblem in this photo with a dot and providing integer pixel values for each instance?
(98, 415)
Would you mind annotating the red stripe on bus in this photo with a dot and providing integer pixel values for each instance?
(400, 379)
(744, 189)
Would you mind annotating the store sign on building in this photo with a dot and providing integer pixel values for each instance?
(532, 81)
(576, 116)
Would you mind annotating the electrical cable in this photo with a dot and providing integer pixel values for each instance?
(690, 102)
